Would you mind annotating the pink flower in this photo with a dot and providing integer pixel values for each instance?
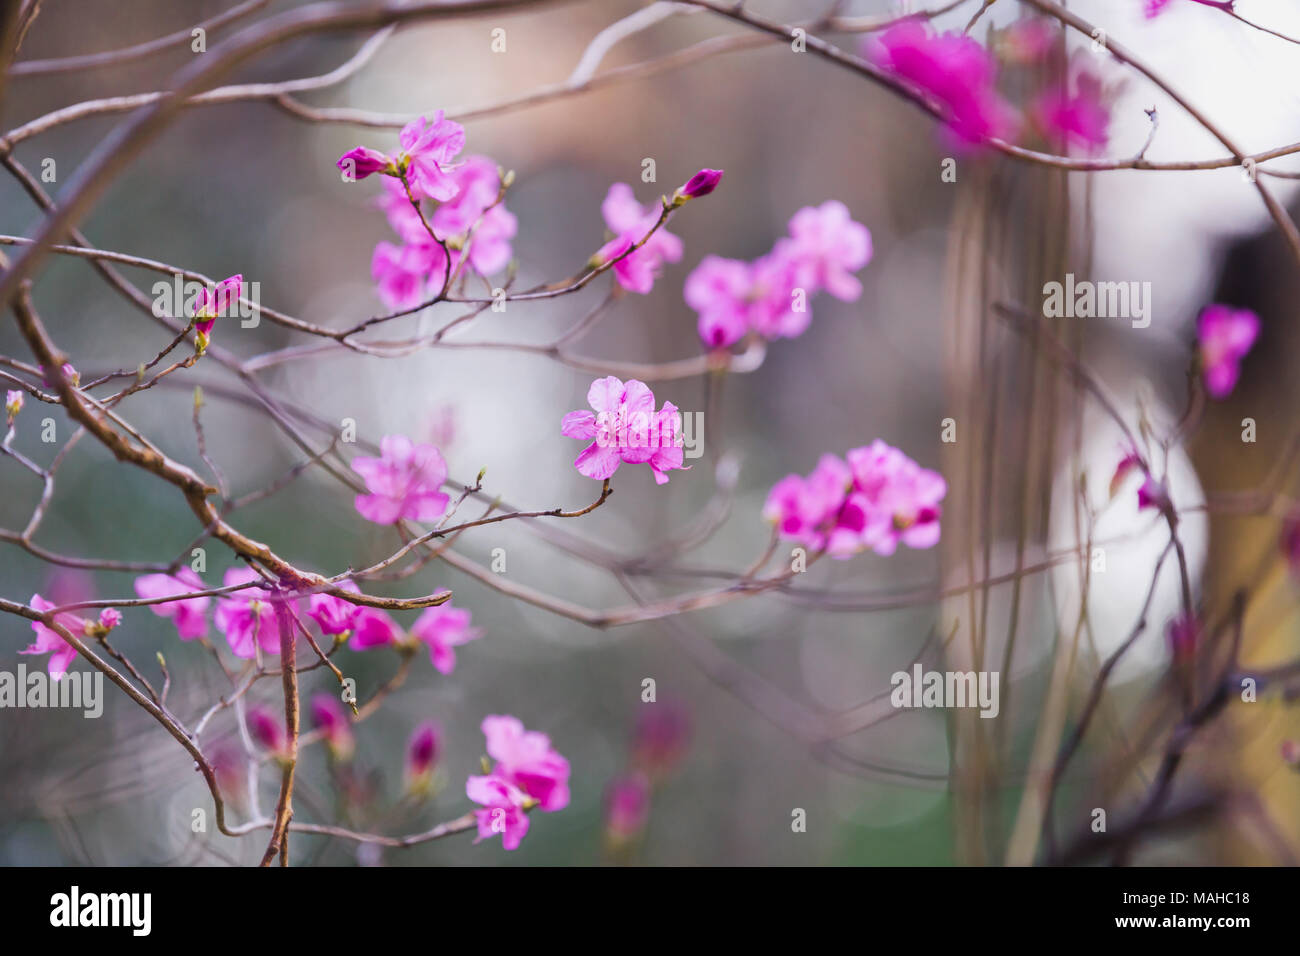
(701, 184)
(247, 617)
(627, 807)
(49, 642)
(13, 405)
(503, 810)
(443, 628)
(189, 615)
(403, 482)
(109, 618)
(422, 752)
(630, 222)
(475, 207)
(407, 275)
(954, 71)
(428, 146)
(334, 615)
(1226, 335)
(625, 427)
(1082, 119)
(71, 374)
(374, 628)
(906, 495)
(526, 760)
(718, 289)
(827, 246)
(328, 715)
(362, 161)
(267, 730)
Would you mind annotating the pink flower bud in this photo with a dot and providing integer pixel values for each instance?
(109, 618)
(422, 754)
(701, 184)
(627, 807)
(363, 161)
(327, 715)
(267, 730)
(13, 404)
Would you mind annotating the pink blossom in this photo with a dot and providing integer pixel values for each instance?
(403, 482)
(503, 809)
(718, 289)
(827, 246)
(443, 628)
(624, 427)
(627, 807)
(526, 760)
(422, 752)
(109, 618)
(247, 617)
(216, 302)
(630, 222)
(328, 716)
(407, 275)
(334, 615)
(427, 147)
(268, 730)
(48, 640)
(1226, 335)
(13, 405)
(475, 208)
(374, 628)
(1081, 119)
(189, 615)
(701, 184)
(362, 161)
(951, 69)
(906, 495)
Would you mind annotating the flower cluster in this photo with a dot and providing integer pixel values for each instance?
(625, 427)
(468, 219)
(769, 296)
(527, 773)
(874, 498)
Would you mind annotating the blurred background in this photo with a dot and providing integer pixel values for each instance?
(771, 704)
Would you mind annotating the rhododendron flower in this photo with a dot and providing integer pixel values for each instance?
(1081, 119)
(334, 615)
(627, 807)
(876, 500)
(954, 71)
(189, 615)
(719, 289)
(405, 275)
(443, 628)
(502, 811)
(362, 161)
(624, 427)
(374, 628)
(403, 482)
(48, 640)
(701, 184)
(1226, 335)
(906, 494)
(630, 222)
(427, 147)
(475, 207)
(328, 716)
(247, 617)
(526, 760)
(267, 730)
(109, 618)
(827, 246)
(422, 752)
(13, 405)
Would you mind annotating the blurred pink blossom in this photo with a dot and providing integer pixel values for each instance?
(403, 482)
(190, 615)
(1226, 335)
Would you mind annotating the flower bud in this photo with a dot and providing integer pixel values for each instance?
(701, 184)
